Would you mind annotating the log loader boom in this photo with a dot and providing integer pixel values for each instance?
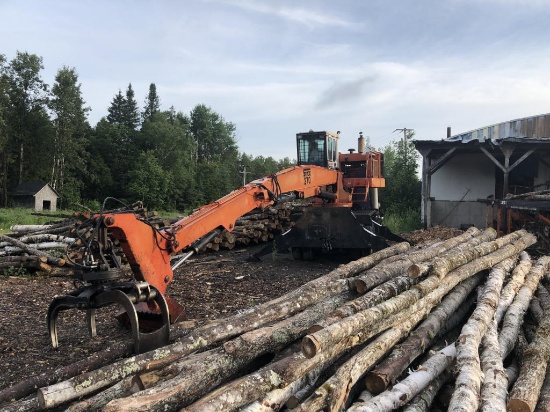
(342, 191)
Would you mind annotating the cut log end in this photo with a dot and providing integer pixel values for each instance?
(519, 405)
(310, 346)
(376, 383)
(414, 271)
(360, 286)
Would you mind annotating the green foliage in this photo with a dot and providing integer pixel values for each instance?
(152, 103)
(148, 182)
(403, 222)
(401, 198)
(168, 159)
(71, 127)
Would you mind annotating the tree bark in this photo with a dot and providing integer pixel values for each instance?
(94, 361)
(123, 388)
(460, 255)
(293, 302)
(278, 398)
(409, 387)
(468, 381)
(513, 286)
(315, 343)
(421, 338)
(334, 393)
(543, 404)
(526, 390)
(513, 318)
(382, 273)
(221, 363)
(375, 296)
(51, 259)
(423, 401)
(494, 387)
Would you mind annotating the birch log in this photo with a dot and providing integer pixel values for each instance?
(315, 343)
(334, 393)
(513, 318)
(458, 256)
(51, 259)
(402, 356)
(409, 387)
(382, 273)
(290, 303)
(513, 286)
(468, 381)
(494, 387)
(444, 264)
(219, 364)
(526, 390)
(379, 294)
(277, 398)
(423, 401)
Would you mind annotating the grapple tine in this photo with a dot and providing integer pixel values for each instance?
(58, 304)
(90, 321)
(143, 341)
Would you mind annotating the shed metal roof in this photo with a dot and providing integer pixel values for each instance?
(534, 127)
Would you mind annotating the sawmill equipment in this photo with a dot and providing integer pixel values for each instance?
(343, 213)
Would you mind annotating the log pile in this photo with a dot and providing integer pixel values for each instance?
(470, 325)
(43, 247)
(257, 226)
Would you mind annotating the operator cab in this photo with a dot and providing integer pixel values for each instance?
(318, 148)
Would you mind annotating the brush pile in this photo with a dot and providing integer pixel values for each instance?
(458, 325)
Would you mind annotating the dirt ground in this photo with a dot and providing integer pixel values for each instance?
(210, 286)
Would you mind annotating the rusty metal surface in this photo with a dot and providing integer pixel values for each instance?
(534, 127)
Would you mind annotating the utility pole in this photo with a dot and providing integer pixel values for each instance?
(405, 135)
(244, 173)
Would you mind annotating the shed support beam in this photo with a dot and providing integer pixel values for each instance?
(506, 168)
(427, 171)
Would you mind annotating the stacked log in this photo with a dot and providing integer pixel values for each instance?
(327, 346)
(257, 226)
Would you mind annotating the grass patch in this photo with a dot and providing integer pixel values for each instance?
(403, 221)
(21, 216)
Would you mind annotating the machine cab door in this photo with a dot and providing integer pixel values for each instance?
(317, 148)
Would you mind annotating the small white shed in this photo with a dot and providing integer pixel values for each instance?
(38, 196)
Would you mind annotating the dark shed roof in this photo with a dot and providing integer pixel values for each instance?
(30, 189)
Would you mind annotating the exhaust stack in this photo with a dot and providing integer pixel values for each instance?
(361, 143)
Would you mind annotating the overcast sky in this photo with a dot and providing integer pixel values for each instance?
(275, 68)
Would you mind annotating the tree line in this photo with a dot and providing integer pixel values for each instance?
(168, 159)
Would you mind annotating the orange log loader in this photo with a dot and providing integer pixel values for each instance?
(342, 190)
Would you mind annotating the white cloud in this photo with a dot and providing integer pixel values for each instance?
(308, 17)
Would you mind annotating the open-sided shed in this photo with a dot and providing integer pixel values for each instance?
(461, 171)
(38, 196)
